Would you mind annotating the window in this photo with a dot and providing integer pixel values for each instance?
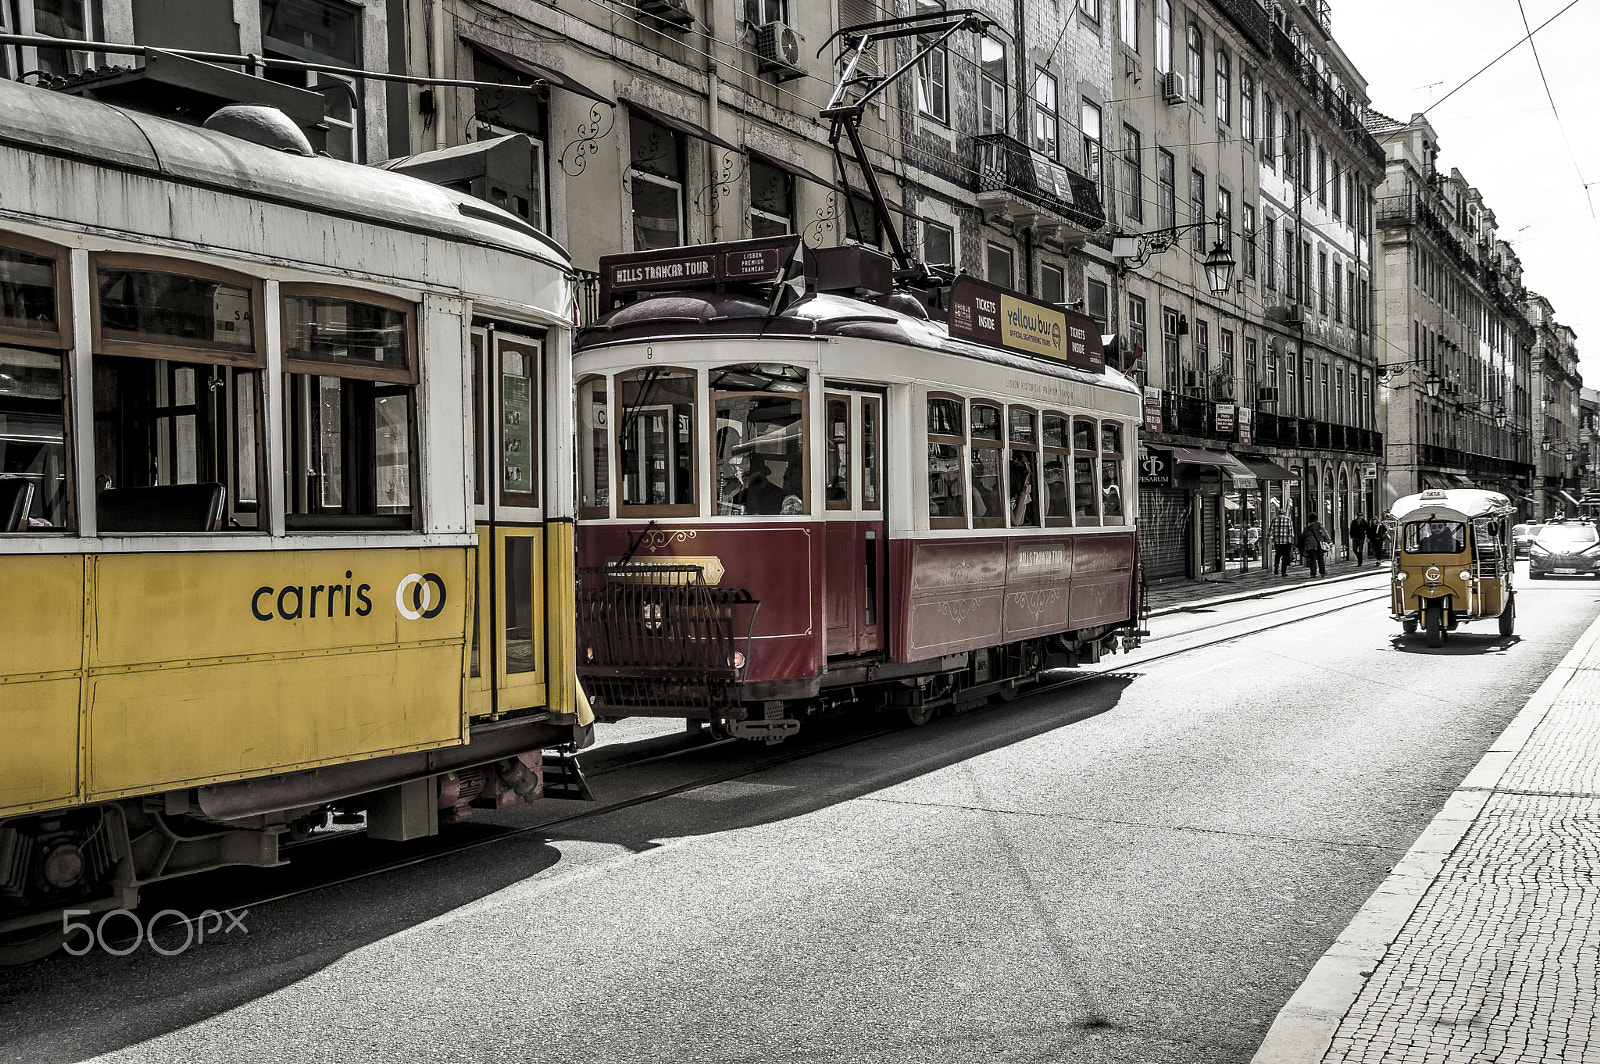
(350, 410)
(992, 87)
(320, 31)
(1305, 272)
(836, 474)
(1202, 348)
(1132, 360)
(79, 20)
(1052, 284)
(771, 200)
(1166, 190)
(1095, 303)
(1250, 371)
(1132, 176)
(177, 395)
(1224, 88)
(1000, 266)
(505, 111)
(863, 224)
(1269, 132)
(1339, 180)
(1045, 117)
(1249, 223)
(1225, 345)
(946, 478)
(938, 244)
(932, 70)
(1130, 24)
(656, 180)
(1305, 161)
(1057, 459)
(761, 440)
(1091, 8)
(594, 449)
(1163, 36)
(1322, 280)
(1322, 176)
(869, 453)
(1269, 230)
(1111, 509)
(34, 333)
(1450, 537)
(1247, 107)
(1085, 490)
(1197, 64)
(655, 443)
(1225, 216)
(761, 12)
(1022, 468)
(1197, 209)
(1091, 140)
(1171, 369)
(1338, 292)
(988, 502)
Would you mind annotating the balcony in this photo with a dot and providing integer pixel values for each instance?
(1032, 192)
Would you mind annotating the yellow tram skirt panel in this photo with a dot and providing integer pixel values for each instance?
(184, 668)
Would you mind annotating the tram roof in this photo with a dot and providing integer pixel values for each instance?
(105, 135)
(1461, 504)
(689, 315)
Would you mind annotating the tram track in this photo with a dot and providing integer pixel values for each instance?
(781, 757)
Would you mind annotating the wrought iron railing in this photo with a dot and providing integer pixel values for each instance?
(1005, 164)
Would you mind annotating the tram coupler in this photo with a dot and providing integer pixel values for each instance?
(772, 727)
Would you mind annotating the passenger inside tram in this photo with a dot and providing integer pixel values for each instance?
(759, 495)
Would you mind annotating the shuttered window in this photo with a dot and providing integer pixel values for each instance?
(855, 13)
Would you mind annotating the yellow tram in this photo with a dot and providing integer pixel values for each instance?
(285, 503)
(1453, 561)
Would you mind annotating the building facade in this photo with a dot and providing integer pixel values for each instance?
(1557, 425)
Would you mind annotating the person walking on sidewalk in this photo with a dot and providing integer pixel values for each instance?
(1376, 534)
(1314, 544)
(1358, 537)
(1282, 543)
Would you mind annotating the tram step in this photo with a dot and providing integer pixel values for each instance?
(563, 778)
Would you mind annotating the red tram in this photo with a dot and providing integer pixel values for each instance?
(784, 508)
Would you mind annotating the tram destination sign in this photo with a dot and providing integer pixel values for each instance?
(998, 317)
(702, 266)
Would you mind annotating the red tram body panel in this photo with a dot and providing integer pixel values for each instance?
(784, 508)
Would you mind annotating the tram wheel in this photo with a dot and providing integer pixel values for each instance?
(917, 716)
(1508, 617)
(25, 947)
(1409, 627)
(1434, 619)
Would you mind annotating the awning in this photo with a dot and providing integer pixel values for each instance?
(681, 125)
(536, 71)
(1195, 456)
(791, 168)
(887, 202)
(1241, 475)
(1436, 480)
(1570, 499)
(1266, 469)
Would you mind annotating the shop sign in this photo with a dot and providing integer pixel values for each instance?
(742, 261)
(1155, 469)
(1225, 418)
(998, 317)
(1153, 421)
(1246, 428)
(1370, 472)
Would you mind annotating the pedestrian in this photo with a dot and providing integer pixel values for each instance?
(1376, 534)
(1358, 537)
(1314, 544)
(1282, 543)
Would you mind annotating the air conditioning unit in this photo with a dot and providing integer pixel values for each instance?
(1294, 314)
(1222, 388)
(778, 46)
(1172, 87)
(1266, 395)
(1191, 378)
(674, 11)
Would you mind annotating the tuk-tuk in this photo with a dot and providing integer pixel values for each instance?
(1452, 561)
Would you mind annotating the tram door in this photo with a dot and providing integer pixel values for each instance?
(857, 541)
(507, 667)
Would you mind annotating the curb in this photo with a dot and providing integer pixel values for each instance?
(1304, 1028)
(1264, 591)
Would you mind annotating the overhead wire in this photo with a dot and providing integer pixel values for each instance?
(1538, 62)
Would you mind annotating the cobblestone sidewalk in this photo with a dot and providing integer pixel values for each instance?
(1482, 945)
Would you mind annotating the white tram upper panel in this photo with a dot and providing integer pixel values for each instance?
(107, 169)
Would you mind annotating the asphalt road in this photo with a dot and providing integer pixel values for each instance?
(1142, 867)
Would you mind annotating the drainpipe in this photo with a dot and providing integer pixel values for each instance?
(713, 109)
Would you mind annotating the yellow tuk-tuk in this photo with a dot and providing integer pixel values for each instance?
(1452, 561)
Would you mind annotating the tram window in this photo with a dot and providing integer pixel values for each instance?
(152, 308)
(1022, 467)
(32, 279)
(869, 453)
(655, 441)
(1111, 473)
(946, 480)
(1085, 487)
(349, 409)
(1057, 457)
(594, 450)
(760, 439)
(33, 441)
(519, 420)
(1435, 537)
(838, 472)
(988, 500)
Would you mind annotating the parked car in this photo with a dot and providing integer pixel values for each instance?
(1522, 536)
(1571, 548)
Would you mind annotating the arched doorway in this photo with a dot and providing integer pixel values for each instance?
(1341, 532)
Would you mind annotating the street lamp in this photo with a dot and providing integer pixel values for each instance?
(1219, 265)
(1432, 384)
(1546, 444)
(1219, 261)
(1500, 416)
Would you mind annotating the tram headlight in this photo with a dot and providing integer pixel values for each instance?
(1466, 574)
(738, 659)
(1433, 574)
